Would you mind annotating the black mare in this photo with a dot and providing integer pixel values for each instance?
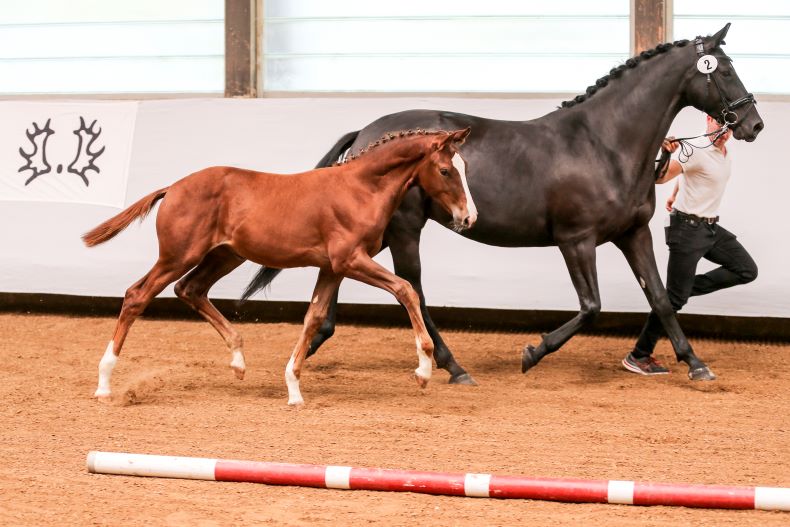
(578, 177)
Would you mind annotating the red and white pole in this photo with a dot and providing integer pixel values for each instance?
(452, 484)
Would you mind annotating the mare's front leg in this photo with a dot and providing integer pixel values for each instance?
(325, 289)
(580, 259)
(637, 246)
(361, 267)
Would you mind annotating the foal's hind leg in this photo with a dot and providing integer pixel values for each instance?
(637, 247)
(580, 259)
(137, 298)
(193, 290)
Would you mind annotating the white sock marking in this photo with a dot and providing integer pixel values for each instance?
(237, 362)
(460, 164)
(106, 366)
(294, 394)
(425, 365)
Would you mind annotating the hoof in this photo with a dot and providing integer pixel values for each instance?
(296, 403)
(528, 359)
(464, 379)
(239, 372)
(103, 396)
(422, 382)
(702, 373)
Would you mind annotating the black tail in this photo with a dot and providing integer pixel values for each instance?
(266, 275)
(262, 278)
(343, 144)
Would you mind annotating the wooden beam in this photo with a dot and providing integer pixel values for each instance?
(240, 48)
(650, 19)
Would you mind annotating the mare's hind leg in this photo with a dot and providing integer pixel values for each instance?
(580, 259)
(137, 298)
(325, 290)
(327, 328)
(403, 237)
(193, 290)
(637, 246)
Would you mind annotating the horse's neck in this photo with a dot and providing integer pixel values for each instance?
(640, 106)
(387, 178)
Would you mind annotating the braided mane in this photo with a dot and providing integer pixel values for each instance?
(618, 70)
(391, 136)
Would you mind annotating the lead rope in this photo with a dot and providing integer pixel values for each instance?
(686, 149)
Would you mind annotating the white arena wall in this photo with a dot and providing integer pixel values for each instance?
(42, 251)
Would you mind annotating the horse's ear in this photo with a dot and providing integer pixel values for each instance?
(459, 136)
(718, 38)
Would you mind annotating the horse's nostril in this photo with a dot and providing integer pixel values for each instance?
(758, 128)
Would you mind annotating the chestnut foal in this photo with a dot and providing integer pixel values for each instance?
(332, 218)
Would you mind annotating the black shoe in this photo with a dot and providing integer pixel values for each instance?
(646, 366)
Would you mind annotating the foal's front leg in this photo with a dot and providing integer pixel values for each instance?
(325, 289)
(364, 269)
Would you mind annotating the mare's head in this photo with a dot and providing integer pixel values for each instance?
(717, 90)
(442, 174)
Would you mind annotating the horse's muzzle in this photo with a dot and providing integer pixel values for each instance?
(463, 220)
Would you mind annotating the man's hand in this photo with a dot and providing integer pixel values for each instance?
(668, 146)
(670, 202)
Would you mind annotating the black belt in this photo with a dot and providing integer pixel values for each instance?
(693, 218)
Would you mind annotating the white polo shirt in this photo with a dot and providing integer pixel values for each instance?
(705, 177)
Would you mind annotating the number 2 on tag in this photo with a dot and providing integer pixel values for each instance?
(707, 64)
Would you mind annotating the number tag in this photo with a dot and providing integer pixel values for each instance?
(707, 64)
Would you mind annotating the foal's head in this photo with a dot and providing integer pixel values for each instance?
(442, 174)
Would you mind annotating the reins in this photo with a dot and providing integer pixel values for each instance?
(728, 115)
(687, 149)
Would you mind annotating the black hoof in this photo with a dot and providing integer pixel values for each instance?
(464, 379)
(702, 373)
(528, 359)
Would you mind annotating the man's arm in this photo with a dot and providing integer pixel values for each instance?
(671, 199)
(673, 168)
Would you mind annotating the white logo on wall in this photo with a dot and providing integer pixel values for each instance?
(85, 154)
(66, 152)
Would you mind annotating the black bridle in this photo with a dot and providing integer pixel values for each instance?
(728, 119)
(728, 115)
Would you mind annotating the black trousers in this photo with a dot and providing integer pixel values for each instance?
(689, 241)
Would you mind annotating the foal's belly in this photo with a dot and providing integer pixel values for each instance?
(281, 244)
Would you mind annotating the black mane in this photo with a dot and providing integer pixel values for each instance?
(618, 70)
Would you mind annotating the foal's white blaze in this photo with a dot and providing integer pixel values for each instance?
(106, 366)
(460, 166)
(425, 365)
(294, 394)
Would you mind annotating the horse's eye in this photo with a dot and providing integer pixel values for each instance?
(444, 172)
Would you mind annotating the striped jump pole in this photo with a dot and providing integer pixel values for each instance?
(450, 484)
